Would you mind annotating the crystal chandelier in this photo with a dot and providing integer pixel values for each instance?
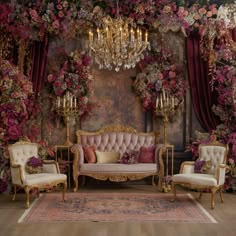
(117, 44)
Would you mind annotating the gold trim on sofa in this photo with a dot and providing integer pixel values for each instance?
(117, 177)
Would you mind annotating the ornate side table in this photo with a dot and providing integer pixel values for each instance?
(64, 159)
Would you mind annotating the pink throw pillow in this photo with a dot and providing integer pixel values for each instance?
(89, 154)
(147, 155)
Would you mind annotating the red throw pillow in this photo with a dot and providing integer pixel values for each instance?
(147, 154)
(89, 154)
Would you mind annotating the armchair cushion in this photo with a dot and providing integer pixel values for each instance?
(196, 179)
(201, 166)
(34, 165)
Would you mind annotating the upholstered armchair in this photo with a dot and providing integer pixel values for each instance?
(208, 172)
(49, 175)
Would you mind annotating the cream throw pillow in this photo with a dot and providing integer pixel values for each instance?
(107, 157)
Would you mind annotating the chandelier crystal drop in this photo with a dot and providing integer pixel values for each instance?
(117, 44)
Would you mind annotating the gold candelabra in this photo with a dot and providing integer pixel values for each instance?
(68, 108)
(165, 106)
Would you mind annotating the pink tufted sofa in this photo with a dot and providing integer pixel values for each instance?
(117, 138)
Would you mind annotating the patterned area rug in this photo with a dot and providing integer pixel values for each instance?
(116, 207)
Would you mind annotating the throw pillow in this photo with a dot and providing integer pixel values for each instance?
(201, 166)
(147, 154)
(34, 165)
(107, 157)
(129, 157)
(89, 154)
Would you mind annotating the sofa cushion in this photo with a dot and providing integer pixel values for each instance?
(89, 154)
(147, 154)
(107, 157)
(118, 168)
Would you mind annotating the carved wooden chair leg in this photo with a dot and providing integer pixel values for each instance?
(213, 191)
(64, 191)
(221, 195)
(153, 180)
(174, 191)
(14, 193)
(27, 193)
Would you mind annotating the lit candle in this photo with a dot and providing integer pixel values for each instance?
(71, 101)
(157, 102)
(64, 102)
(173, 102)
(75, 102)
(146, 36)
(164, 95)
(161, 102)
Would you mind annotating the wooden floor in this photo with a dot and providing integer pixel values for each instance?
(225, 214)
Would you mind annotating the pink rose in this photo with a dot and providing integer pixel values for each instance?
(60, 14)
(159, 76)
(172, 74)
(196, 17)
(214, 11)
(202, 11)
(56, 24)
(166, 9)
(209, 14)
(50, 78)
(185, 13)
(180, 12)
(173, 67)
(33, 14)
(59, 7)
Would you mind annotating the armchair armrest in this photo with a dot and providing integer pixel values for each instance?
(17, 174)
(50, 166)
(187, 167)
(221, 174)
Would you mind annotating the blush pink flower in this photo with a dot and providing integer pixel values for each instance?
(56, 24)
(209, 14)
(172, 74)
(60, 14)
(202, 11)
(59, 7)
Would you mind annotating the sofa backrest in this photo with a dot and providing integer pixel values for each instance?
(117, 138)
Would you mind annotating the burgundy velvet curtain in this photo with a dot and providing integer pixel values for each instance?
(202, 96)
(39, 52)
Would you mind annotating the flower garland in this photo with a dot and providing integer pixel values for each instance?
(67, 18)
(74, 76)
(157, 72)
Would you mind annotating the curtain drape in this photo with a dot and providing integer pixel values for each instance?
(39, 52)
(202, 96)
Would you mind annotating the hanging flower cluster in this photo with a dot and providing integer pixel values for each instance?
(74, 76)
(157, 72)
(16, 102)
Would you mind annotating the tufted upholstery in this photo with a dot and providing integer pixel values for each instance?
(213, 178)
(19, 154)
(118, 139)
